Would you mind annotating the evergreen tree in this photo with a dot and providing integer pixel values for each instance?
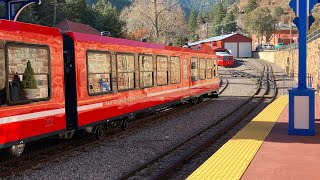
(229, 23)
(192, 25)
(218, 14)
(79, 11)
(107, 18)
(29, 15)
(119, 4)
(51, 12)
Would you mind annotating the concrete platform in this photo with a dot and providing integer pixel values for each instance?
(264, 150)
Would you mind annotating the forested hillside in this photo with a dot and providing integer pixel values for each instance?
(162, 21)
(119, 4)
(187, 5)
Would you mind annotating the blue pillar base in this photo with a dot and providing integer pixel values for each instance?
(308, 125)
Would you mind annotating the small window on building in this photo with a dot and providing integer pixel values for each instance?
(28, 72)
(175, 70)
(99, 72)
(162, 70)
(146, 71)
(209, 68)
(194, 69)
(202, 68)
(125, 71)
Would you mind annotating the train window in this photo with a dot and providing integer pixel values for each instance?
(185, 69)
(125, 71)
(99, 72)
(202, 68)
(209, 70)
(146, 71)
(194, 69)
(2, 76)
(162, 70)
(28, 72)
(175, 70)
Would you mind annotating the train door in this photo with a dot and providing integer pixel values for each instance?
(70, 83)
(185, 77)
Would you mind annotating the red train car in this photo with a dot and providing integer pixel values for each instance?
(225, 59)
(28, 114)
(89, 82)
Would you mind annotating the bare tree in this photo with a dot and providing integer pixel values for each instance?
(162, 19)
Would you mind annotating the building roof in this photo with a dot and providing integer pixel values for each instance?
(216, 38)
(70, 26)
(227, 38)
(283, 26)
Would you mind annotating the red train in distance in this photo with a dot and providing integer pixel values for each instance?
(55, 84)
(224, 58)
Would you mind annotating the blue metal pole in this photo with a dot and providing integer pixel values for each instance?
(302, 44)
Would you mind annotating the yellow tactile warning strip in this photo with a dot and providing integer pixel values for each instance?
(233, 158)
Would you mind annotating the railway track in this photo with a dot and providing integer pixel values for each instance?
(47, 150)
(168, 162)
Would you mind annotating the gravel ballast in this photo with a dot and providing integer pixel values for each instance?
(119, 155)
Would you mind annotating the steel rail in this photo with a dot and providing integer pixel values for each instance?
(166, 171)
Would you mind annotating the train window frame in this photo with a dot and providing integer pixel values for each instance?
(134, 71)
(205, 68)
(170, 69)
(27, 101)
(140, 85)
(168, 66)
(215, 69)
(212, 60)
(191, 74)
(185, 68)
(87, 71)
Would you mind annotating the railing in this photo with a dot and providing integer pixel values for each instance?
(309, 80)
(291, 82)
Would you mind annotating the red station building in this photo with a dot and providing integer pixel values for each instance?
(237, 44)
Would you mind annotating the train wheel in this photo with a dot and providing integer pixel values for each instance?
(125, 124)
(201, 99)
(100, 132)
(195, 101)
(16, 150)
